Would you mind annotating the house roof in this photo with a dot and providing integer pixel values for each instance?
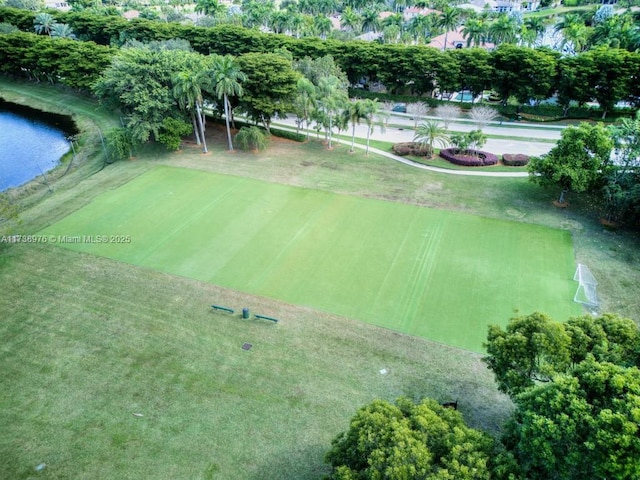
(454, 38)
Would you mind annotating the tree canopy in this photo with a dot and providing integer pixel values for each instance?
(410, 441)
(576, 387)
(533, 348)
(583, 425)
(577, 162)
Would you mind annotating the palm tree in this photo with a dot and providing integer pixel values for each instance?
(391, 34)
(431, 132)
(369, 111)
(536, 24)
(569, 19)
(350, 20)
(615, 31)
(257, 14)
(475, 32)
(448, 20)
(371, 19)
(353, 113)
(327, 7)
(296, 24)
(305, 101)
(322, 25)
(209, 7)
(280, 21)
(227, 78)
(43, 23)
(331, 98)
(62, 30)
(503, 30)
(575, 37)
(420, 27)
(187, 88)
(395, 19)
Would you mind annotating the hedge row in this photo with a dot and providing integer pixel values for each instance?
(515, 159)
(411, 148)
(469, 158)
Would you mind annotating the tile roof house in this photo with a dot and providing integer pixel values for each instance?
(455, 39)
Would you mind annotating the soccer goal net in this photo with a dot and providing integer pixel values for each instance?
(586, 293)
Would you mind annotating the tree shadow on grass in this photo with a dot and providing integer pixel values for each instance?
(304, 462)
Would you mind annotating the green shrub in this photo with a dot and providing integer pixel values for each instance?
(251, 138)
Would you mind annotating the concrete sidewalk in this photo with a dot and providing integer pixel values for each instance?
(397, 158)
(522, 139)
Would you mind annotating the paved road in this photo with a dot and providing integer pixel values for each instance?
(287, 124)
(523, 137)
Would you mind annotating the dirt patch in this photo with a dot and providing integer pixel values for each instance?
(571, 225)
(330, 165)
(515, 213)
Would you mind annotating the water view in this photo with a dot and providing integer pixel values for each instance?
(28, 147)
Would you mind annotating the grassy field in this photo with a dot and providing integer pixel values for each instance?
(88, 342)
(432, 273)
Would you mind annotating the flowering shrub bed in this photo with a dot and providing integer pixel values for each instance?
(469, 158)
(515, 159)
(411, 148)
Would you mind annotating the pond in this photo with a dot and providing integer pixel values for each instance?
(31, 143)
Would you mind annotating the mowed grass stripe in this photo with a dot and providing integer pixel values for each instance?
(436, 274)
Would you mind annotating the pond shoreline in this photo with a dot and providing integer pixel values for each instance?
(32, 143)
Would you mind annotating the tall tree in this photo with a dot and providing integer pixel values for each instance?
(371, 19)
(210, 7)
(227, 81)
(575, 74)
(476, 72)
(448, 20)
(532, 349)
(354, 111)
(475, 31)
(525, 73)
(583, 425)
(370, 111)
(621, 192)
(610, 80)
(331, 98)
(350, 20)
(503, 30)
(269, 88)
(139, 83)
(305, 102)
(187, 88)
(579, 161)
(420, 28)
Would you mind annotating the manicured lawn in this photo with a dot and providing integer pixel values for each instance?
(88, 341)
(111, 371)
(437, 274)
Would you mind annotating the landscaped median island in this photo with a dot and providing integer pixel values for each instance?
(437, 274)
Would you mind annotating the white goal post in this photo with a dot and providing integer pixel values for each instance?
(586, 293)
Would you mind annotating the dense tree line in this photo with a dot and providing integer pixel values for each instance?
(55, 60)
(576, 390)
(607, 75)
